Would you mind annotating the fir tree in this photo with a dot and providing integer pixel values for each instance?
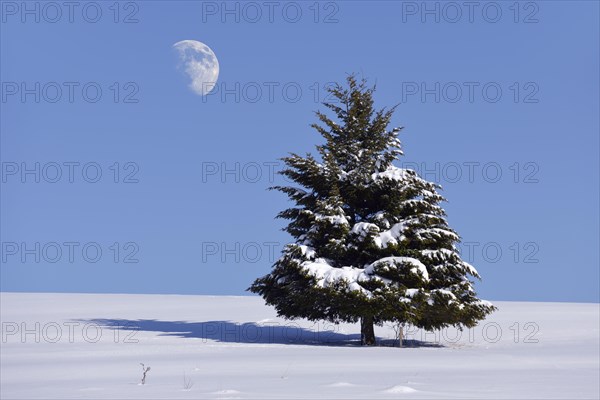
(371, 240)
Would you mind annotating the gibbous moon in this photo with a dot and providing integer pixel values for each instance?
(200, 64)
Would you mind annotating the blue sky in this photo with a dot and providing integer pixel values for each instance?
(501, 109)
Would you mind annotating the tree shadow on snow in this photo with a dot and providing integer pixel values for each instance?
(408, 343)
(249, 332)
(232, 332)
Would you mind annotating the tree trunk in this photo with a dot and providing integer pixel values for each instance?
(367, 331)
(400, 335)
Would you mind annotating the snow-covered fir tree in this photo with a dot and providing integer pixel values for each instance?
(371, 240)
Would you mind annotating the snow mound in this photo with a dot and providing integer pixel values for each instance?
(229, 393)
(341, 384)
(226, 391)
(400, 389)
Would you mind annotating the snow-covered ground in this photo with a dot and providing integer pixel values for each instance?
(85, 346)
